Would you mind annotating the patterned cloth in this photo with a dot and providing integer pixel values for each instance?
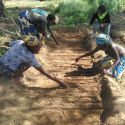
(26, 27)
(31, 41)
(18, 54)
(107, 62)
(118, 70)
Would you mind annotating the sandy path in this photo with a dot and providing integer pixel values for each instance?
(34, 105)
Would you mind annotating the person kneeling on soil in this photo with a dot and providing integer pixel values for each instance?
(115, 51)
(21, 56)
(101, 20)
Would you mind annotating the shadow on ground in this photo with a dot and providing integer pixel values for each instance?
(82, 72)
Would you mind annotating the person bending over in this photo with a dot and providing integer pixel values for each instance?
(37, 21)
(21, 56)
(101, 20)
(115, 51)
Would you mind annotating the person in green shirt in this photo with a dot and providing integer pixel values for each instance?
(101, 19)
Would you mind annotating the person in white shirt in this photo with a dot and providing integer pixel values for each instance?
(21, 56)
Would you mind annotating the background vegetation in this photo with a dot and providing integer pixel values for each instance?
(71, 12)
(79, 11)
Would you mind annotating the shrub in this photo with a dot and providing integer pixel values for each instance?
(79, 11)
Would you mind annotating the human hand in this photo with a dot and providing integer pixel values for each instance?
(77, 59)
(105, 71)
(101, 25)
(63, 84)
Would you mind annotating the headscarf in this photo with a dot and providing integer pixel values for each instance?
(102, 39)
(31, 41)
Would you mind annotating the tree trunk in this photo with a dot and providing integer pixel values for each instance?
(1, 8)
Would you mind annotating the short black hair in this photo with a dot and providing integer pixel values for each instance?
(102, 8)
(51, 17)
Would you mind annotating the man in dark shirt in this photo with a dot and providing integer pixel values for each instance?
(42, 23)
(101, 20)
(33, 23)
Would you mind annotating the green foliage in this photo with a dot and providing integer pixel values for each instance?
(13, 12)
(73, 11)
(114, 6)
(79, 11)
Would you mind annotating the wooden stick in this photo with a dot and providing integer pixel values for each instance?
(8, 31)
(15, 23)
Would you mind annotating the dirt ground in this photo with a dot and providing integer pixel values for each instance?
(40, 101)
(36, 100)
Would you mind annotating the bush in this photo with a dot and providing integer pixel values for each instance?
(73, 11)
(79, 11)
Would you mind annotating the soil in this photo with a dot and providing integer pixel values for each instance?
(37, 100)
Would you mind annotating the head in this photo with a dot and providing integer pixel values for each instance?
(101, 9)
(103, 41)
(33, 43)
(52, 19)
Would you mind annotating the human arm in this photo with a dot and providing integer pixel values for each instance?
(93, 18)
(41, 26)
(107, 19)
(87, 54)
(32, 61)
(42, 70)
(52, 35)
